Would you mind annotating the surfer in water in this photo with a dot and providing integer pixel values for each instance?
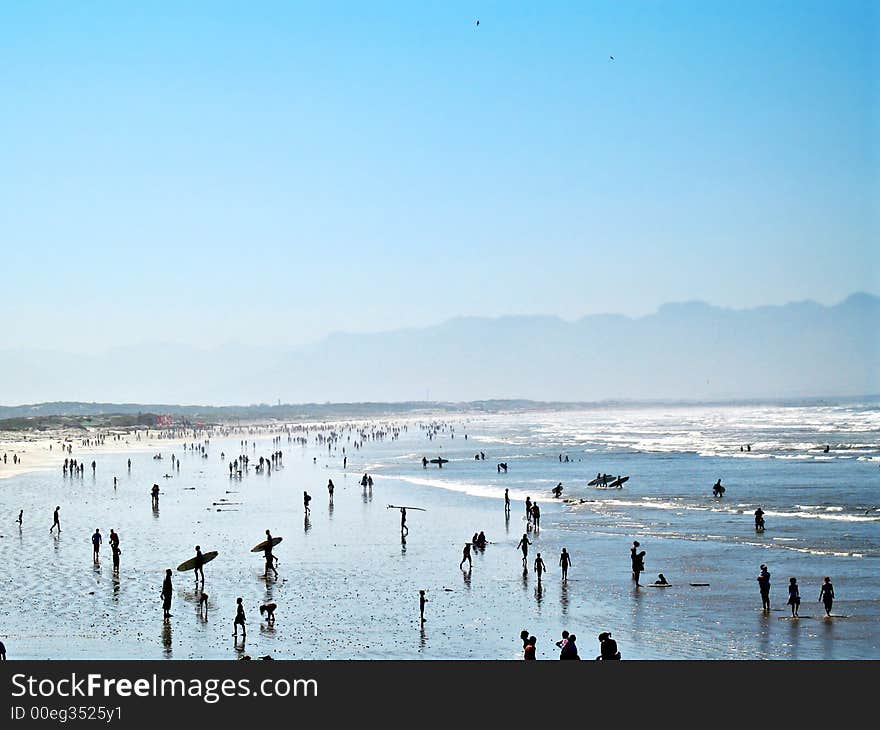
(523, 545)
(557, 490)
(717, 489)
(759, 520)
(564, 563)
(166, 594)
(826, 595)
(764, 586)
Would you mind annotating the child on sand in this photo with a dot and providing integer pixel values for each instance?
(239, 618)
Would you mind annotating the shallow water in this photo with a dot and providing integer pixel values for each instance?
(348, 587)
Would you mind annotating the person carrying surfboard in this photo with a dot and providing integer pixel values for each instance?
(270, 558)
(200, 561)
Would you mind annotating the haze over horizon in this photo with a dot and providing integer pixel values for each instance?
(690, 351)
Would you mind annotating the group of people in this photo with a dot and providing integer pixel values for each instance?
(826, 593)
(567, 646)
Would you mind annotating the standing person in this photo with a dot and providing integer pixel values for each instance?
(764, 586)
(2, 652)
(200, 563)
(564, 563)
(56, 520)
(466, 555)
(239, 618)
(759, 519)
(422, 602)
(404, 530)
(154, 492)
(166, 594)
(114, 548)
(506, 502)
(20, 517)
(638, 561)
(306, 500)
(529, 652)
(529, 510)
(524, 546)
(826, 595)
(794, 597)
(96, 544)
(539, 566)
(330, 489)
(536, 516)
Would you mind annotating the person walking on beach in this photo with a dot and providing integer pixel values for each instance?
(422, 602)
(539, 566)
(239, 618)
(466, 555)
(56, 520)
(154, 492)
(523, 545)
(529, 510)
(270, 558)
(330, 489)
(404, 530)
(20, 517)
(536, 517)
(306, 500)
(564, 563)
(638, 561)
(764, 586)
(826, 595)
(167, 591)
(96, 544)
(794, 597)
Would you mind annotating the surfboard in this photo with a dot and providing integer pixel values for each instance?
(403, 506)
(619, 482)
(439, 461)
(594, 482)
(191, 563)
(660, 585)
(700, 585)
(262, 546)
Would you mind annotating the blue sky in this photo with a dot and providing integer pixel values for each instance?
(214, 172)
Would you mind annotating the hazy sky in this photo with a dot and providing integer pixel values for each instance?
(212, 172)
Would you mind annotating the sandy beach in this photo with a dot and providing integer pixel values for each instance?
(348, 584)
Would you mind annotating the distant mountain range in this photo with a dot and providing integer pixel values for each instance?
(687, 351)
